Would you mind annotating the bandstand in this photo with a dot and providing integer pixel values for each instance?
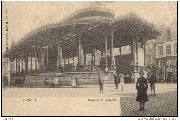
(80, 45)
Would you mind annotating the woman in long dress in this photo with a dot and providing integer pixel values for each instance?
(121, 76)
(73, 83)
(141, 86)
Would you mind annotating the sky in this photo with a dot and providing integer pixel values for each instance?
(24, 17)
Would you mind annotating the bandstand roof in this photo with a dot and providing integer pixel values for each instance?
(90, 25)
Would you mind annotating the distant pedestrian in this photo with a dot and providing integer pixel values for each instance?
(77, 82)
(73, 82)
(121, 77)
(101, 81)
(141, 86)
(116, 80)
(5, 81)
(152, 80)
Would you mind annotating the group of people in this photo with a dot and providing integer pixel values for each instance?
(119, 79)
(142, 86)
(75, 82)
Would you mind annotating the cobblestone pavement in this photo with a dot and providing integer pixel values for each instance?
(164, 104)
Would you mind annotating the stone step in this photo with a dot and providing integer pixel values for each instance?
(84, 78)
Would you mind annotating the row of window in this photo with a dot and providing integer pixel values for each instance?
(168, 62)
(168, 50)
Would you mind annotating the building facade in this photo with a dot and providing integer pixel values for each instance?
(166, 58)
(150, 53)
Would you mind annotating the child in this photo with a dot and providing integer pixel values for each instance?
(101, 82)
(141, 86)
(77, 82)
(121, 76)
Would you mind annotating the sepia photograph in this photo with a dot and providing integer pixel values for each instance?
(95, 58)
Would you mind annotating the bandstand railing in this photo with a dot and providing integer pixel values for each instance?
(81, 68)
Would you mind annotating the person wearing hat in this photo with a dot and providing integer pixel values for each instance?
(141, 86)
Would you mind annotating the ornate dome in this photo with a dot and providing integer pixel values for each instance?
(91, 15)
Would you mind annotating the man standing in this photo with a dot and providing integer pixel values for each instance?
(116, 80)
(152, 80)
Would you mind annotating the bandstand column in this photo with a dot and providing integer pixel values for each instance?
(84, 58)
(80, 55)
(19, 65)
(41, 62)
(35, 59)
(47, 64)
(43, 51)
(133, 69)
(73, 60)
(68, 61)
(101, 54)
(120, 50)
(132, 52)
(59, 55)
(43, 58)
(111, 50)
(22, 63)
(137, 55)
(105, 51)
(94, 57)
(92, 60)
(26, 63)
(31, 59)
(16, 63)
(144, 54)
(64, 61)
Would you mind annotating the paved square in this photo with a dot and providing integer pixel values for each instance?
(86, 100)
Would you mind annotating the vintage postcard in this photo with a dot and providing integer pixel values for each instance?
(89, 58)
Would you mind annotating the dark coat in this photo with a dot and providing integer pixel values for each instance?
(5, 80)
(101, 82)
(116, 79)
(151, 77)
(142, 86)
